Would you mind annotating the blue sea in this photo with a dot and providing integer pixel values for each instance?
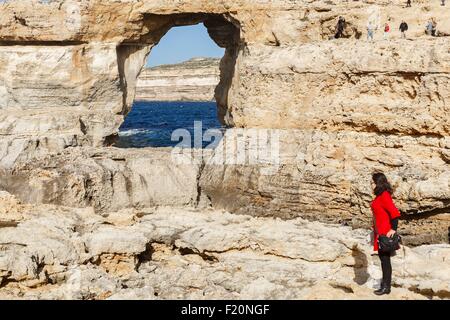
(151, 124)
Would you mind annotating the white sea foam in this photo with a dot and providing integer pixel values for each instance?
(133, 132)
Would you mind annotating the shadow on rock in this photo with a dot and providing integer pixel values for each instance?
(360, 267)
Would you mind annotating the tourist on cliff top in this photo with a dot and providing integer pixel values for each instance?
(340, 28)
(403, 28)
(370, 31)
(387, 29)
(385, 223)
(408, 3)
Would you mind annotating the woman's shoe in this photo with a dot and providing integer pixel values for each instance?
(382, 290)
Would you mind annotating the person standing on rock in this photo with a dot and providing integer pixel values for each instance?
(403, 28)
(408, 3)
(370, 31)
(385, 222)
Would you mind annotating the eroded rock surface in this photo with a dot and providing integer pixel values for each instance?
(326, 177)
(159, 253)
(69, 69)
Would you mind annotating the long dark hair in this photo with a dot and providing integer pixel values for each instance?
(382, 183)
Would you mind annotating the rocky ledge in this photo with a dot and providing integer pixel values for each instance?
(56, 252)
(192, 80)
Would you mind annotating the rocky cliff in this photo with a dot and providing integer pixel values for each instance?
(326, 113)
(193, 80)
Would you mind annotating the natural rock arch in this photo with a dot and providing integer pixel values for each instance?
(132, 54)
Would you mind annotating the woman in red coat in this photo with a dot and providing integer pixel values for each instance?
(385, 222)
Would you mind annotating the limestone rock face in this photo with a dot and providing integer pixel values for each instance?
(167, 253)
(193, 80)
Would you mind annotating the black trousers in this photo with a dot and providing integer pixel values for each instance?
(386, 267)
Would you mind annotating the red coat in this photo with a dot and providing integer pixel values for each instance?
(384, 210)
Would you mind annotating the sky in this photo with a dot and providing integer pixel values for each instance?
(182, 43)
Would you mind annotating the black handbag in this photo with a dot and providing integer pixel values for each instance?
(389, 244)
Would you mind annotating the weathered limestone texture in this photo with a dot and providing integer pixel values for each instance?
(342, 109)
(55, 252)
(193, 80)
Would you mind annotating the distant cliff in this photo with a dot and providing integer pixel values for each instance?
(193, 80)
